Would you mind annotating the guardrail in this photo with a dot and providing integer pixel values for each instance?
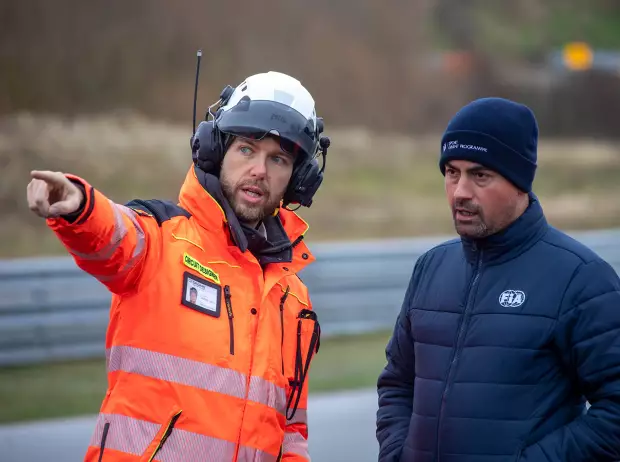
(50, 310)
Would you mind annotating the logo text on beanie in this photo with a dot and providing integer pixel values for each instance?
(456, 145)
(450, 145)
(472, 147)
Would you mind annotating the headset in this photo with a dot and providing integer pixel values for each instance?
(209, 145)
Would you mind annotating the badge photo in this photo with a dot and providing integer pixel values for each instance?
(201, 295)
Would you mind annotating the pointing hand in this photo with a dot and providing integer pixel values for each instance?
(51, 194)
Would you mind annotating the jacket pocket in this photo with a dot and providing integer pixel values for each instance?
(104, 436)
(229, 311)
(161, 437)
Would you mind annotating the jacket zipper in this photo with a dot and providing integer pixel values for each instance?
(282, 300)
(104, 436)
(459, 345)
(166, 434)
(229, 309)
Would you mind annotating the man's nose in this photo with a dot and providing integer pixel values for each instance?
(259, 167)
(463, 189)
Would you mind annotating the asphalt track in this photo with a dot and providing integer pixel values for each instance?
(341, 426)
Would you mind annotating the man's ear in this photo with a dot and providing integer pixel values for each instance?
(523, 196)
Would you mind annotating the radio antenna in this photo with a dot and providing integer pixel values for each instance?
(198, 56)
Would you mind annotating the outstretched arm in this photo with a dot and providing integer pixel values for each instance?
(109, 241)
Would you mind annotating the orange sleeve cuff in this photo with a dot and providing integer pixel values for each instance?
(89, 204)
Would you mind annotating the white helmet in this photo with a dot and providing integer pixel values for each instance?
(272, 103)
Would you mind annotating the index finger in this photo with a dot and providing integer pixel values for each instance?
(48, 176)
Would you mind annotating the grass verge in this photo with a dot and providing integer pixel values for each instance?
(376, 185)
(77, 388)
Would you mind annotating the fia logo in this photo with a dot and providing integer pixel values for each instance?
(511, 298)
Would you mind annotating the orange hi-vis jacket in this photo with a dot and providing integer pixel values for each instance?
(207, 350)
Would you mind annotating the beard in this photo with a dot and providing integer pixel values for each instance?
(478, 225)
(245, 211)
(475, 227)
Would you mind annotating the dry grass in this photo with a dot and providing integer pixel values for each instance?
(376, 185)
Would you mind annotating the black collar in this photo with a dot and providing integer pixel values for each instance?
(504, 245)
(276, 247)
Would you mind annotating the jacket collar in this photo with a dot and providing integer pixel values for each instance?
(201, 195)
(524, 232)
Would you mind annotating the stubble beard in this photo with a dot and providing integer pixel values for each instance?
(248, 213)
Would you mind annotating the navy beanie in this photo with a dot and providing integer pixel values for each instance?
(497, 133)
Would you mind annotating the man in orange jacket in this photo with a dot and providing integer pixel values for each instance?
(211, 332)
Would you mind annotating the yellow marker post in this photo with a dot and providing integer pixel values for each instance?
(578, 56)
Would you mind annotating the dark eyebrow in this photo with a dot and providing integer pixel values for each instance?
(478, 169)
(247, 141)
(254, 143)
(290, 156)
(475, 169)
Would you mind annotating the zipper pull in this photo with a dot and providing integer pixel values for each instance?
(282, 300)
(228, 302)
(227, 297)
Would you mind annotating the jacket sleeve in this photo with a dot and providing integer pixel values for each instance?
(107, 240)
(588, 337)
(395, 383)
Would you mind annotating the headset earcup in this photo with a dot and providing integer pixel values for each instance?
(305, 181)
(207, 149)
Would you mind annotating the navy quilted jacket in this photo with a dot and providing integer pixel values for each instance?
(498, 345)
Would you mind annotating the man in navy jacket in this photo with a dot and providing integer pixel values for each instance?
(506, 333)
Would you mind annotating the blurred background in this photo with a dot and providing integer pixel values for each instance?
(104, 89)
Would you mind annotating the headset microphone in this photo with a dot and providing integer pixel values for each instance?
(324, 143)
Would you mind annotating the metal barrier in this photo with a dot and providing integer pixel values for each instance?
(50, 310)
